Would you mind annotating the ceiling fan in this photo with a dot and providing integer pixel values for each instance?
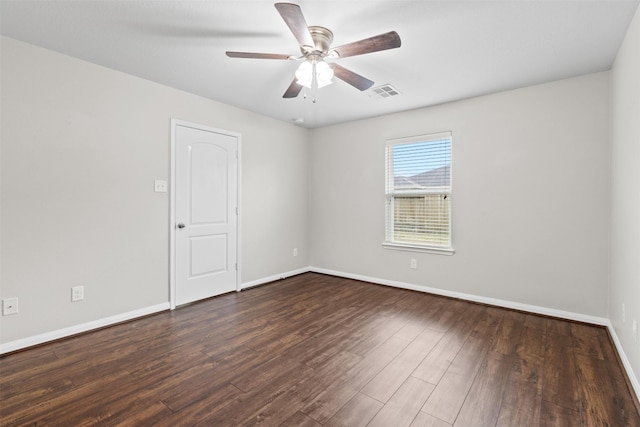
(315, 46)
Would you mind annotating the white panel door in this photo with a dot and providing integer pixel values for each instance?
(206, 194)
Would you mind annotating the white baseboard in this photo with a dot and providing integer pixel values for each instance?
(625, 361)
(470, 297)
(273, 278)
(83, 327)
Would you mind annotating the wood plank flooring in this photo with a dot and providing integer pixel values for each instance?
(317, 350)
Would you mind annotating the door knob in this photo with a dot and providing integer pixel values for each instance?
(181, 225)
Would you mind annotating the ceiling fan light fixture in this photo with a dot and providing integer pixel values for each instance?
(319, 71)
(324, 74)
(304, 74)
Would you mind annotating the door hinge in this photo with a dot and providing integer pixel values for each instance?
(236, 266)
(236, 210)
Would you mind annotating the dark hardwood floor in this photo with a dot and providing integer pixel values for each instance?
(317, 350)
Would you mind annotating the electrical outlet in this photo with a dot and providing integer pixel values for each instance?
(295, 251)
(77, 293)
(624, 314)
(635, 331)
(160, 186)
(414, 263)
(9, 306)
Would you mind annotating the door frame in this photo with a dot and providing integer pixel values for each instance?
(172, 205)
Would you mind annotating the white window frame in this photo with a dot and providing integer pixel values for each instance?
(391, 193)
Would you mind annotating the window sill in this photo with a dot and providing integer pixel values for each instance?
(417, 248)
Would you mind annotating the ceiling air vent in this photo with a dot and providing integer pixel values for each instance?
(383, 91)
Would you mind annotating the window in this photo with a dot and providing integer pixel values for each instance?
(418, 193)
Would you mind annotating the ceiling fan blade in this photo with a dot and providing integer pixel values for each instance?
(293, 90)
(256, 55)
(390, 40)
(354, 79)
(293, 17)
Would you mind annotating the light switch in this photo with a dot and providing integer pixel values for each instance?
(160, 186)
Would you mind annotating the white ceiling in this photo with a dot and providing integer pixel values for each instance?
(450, 49)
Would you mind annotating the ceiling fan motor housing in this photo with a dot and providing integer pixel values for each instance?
(322, 37)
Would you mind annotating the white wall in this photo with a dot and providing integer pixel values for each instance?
(625, 195)
(530, 192)
(81, 147)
